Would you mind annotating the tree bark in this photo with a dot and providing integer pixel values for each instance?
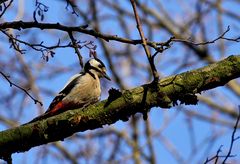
(120, 106)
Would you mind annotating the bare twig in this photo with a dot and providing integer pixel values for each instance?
(171, 148)
(47, 51)
(211, 41)
(158, 46)
(233, 138)
(72, 5)
(2, 1)
(148, 133)
(216, 157)
(39, 10)
(64, 152)
(135, 139)
(17, 86)
(144, 42)
(5, 7)
(75, 46)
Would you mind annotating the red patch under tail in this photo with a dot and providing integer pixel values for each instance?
(58, 108)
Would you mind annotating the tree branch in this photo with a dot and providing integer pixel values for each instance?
(18, 25)
(5, 7)
(75, 45)
(2, 1)
(21, 88)
(144, 42)
(222, 36)
(120, 106)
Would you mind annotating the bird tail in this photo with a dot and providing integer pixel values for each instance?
(41, 117)
(50, 112)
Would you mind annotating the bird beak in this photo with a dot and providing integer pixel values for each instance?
(106, 76)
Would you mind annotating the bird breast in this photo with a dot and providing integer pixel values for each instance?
(87, 91)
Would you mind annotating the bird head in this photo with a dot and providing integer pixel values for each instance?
(97, 67)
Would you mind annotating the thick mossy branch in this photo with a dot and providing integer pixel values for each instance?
(120, 106)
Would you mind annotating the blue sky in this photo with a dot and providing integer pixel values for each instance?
(177, 132)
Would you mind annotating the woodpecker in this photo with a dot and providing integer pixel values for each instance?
(80, 91)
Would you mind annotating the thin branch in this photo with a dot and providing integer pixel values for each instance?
(148, 133)
(211, 41)
(5, 7)
(233, 138)
(47, 51)
(72, 5)
(172, 149)
(39, 10)
(75, 46)
(144, 42)
(2, 1)
(64, 152)
(17, 86)
(158, 46)
(105, 48)
(216, 157)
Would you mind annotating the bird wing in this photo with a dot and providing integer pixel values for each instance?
(57, 105)
(57, 101)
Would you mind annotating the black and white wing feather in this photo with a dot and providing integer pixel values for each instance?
(71, 83)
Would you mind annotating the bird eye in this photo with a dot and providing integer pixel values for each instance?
(100, 66)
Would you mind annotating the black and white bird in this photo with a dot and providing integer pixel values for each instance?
(80, 91)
